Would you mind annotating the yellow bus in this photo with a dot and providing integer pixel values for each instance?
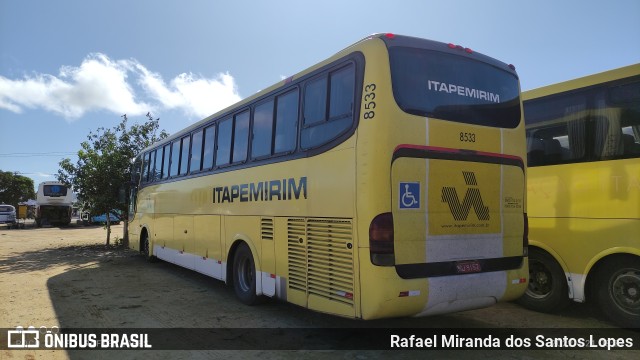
(583, 143)
(387, 180)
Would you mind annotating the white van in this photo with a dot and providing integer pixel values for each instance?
(7, 214)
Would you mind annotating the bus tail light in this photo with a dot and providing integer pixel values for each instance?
(381, 240)
(525, 236)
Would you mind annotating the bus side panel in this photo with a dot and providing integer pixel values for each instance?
(585, 206)
(162, 233)
(134, 232)
(208, 247)
(594, 190)
(183, 241)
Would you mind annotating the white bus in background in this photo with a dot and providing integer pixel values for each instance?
(54, 204)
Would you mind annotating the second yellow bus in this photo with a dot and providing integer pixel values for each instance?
(583, 141)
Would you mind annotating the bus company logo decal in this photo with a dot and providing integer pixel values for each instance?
(282, 189)
(472, 198)
(463, 91)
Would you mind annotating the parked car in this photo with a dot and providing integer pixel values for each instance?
(7, 214)
(102, 219)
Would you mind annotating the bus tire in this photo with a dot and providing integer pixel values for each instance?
(617, 290)
(547, 290)
(244, 275)
(145, 248)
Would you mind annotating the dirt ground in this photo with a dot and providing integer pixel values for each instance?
(69, 279)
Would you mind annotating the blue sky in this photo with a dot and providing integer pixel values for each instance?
(69, 67)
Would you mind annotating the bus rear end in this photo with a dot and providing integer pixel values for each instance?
(448, 232)
(54, 204)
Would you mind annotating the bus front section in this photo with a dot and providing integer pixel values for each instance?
(450, 232)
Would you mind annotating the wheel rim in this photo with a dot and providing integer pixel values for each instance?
(540, 280)
(245, 275)
(625, 290)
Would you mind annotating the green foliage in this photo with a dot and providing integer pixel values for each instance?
(103, 167)
(15, 188)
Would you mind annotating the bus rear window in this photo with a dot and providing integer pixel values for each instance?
(54, 190)
(456, 88)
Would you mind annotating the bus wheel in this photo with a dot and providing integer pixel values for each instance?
(145, 248)
(617, 290)
(547, 290)
(244, 275)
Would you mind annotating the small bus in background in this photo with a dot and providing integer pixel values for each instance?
(385, 181)
(54, 204)
(583, 182)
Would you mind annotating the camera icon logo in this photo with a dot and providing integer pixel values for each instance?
(23, 339)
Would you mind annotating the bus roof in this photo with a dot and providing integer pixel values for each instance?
(51, 182)
(582, 82)
(388, 38)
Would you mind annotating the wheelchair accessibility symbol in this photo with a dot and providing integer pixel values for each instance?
(409, 195)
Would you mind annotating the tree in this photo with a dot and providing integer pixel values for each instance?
(103, 170)
(15, 188)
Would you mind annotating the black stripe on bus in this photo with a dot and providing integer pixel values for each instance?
(431, 152)
(448, 268)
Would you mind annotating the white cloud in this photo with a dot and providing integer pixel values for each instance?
(195, 95)
(100, 83)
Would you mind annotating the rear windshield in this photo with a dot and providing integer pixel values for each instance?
(55, 190)
(452, 87)
(6, 209)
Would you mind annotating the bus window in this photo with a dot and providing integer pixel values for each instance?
(175, 158)
(582, 125)
(184, 156)
(557, 143)
(342, 87)
(241, 137)
(286, 122)
(166, 150)
(145, 167)
(262, 130)
(196, 152)
(152, 165)
(57, 190)
(315, 101)
(320, 127)
(223, 152)
(208, 147)
(455, 88)
(157, 175)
